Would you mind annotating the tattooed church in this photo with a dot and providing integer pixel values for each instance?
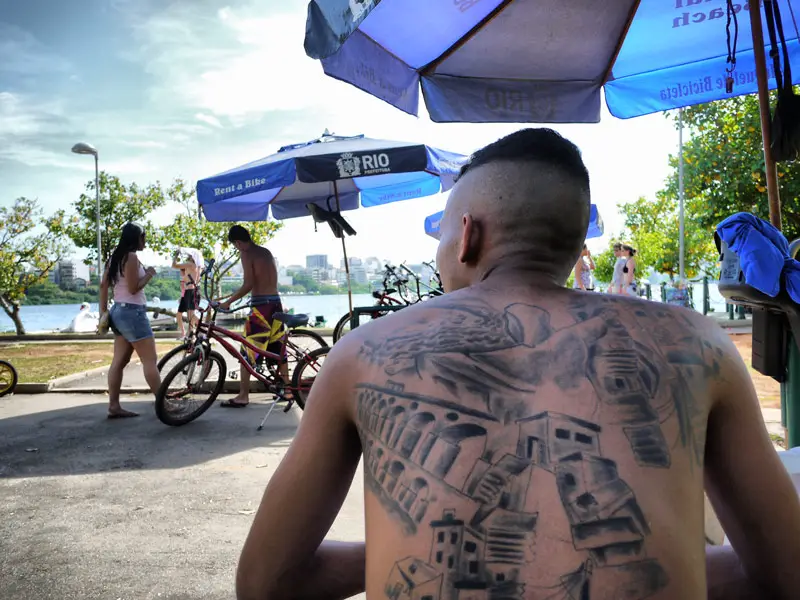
(411, 444)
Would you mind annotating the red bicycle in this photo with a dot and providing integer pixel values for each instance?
(192, 385)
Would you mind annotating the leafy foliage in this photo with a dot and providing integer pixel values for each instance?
(724, 166)
(30, 246)
(604, 264)
(191, 230)
(118, 205)
(652, 228)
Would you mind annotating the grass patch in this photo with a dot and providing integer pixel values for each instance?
(40, 363)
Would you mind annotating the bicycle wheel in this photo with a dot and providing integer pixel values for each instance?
(305, 373)
(167, 362)
(343, 326)
(190, 388)
(8, 378)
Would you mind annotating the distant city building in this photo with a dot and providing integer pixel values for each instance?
(168, 273)
(358, 274)
(317, 261)
(69, 274)
(353, 260)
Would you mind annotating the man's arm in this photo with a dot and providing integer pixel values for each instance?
(748, 486)
(247, 282)
(726, 578)
(284, 555)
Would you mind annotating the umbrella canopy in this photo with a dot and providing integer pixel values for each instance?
(542, 61)
(596, 228)
(333, 172)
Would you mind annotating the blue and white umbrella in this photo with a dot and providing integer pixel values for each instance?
(542, 61)
(333, 172)
(596, 228)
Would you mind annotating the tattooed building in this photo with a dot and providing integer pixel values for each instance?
(420, 450)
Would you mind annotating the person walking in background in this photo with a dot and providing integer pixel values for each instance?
(128, 317)
(190, 276)
(629, 271)
(583, 279)
(616, 279)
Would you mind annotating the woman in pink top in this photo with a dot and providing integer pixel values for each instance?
(128, 318)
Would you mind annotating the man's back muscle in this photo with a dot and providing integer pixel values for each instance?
(536, 447)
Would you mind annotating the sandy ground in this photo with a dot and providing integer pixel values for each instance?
(769, 390)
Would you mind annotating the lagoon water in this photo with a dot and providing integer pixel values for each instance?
(55, 317)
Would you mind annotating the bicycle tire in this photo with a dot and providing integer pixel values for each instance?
(176, 350)
(308, 334)
(162, 411)
(343, 325)
(8, 367)
(297, 376)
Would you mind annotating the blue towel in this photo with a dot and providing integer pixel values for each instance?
(763, 254)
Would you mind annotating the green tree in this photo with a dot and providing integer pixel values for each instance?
(30, 246)
(724, 166)
(191, 230)
(118, 205)
(652, 228)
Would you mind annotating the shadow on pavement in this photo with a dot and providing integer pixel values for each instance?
(75, 437)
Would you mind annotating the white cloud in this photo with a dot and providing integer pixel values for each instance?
(208, 119)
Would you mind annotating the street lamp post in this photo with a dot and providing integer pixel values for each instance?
(83, 148)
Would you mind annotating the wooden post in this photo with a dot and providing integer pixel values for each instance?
(773, 193)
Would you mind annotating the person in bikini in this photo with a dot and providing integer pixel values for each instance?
(522, 440)
(261, 282)
(190, 275)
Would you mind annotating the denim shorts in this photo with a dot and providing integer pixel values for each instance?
(131, 322)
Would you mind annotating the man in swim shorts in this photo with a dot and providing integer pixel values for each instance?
(261, 282)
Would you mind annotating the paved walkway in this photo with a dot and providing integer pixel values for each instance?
(134, 510)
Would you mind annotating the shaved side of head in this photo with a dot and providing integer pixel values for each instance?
(529, 193)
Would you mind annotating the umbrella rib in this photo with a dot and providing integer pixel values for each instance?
(427, 69)
(621, 41)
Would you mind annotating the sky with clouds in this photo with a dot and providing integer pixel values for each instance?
(191, 88)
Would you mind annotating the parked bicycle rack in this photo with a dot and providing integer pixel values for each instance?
(776, 334)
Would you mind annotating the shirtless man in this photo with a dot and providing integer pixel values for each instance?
(523, 440)
(261, 282)
(190, 276)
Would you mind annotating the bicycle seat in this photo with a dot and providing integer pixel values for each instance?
(291, 321)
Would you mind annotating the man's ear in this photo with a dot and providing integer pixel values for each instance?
(471, 240)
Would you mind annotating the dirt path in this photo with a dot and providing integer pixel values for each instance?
(769, 390)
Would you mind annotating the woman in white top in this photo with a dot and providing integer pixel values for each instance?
(616, 280)
(128, 317)
(583, 271)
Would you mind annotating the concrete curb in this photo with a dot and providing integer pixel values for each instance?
(32, 388)
(59, 381)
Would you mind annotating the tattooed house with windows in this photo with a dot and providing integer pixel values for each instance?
(411, 444)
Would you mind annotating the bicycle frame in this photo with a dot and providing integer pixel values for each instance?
(227, 338)
(204, 333)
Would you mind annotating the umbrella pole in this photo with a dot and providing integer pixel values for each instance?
(344, 251)
(682, 249)
(773, 193)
